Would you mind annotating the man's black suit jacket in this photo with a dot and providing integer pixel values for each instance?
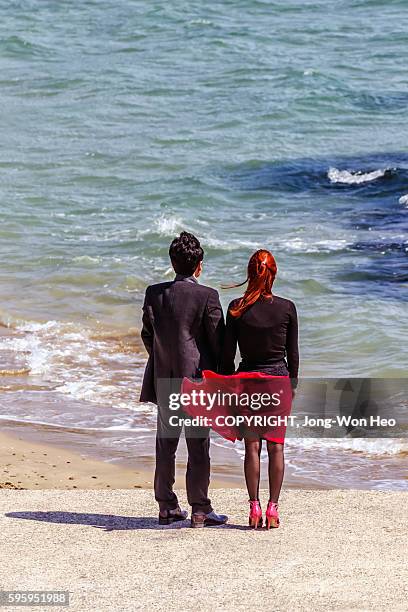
(183, 328)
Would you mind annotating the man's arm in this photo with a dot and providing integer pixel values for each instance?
(147, 332)
(214, 324)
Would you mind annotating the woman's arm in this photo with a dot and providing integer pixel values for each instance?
(229, 347)
(292, 345)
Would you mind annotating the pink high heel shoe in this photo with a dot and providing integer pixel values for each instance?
(272, 515)
(255, 513)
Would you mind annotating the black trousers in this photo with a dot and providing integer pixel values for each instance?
(198, 464)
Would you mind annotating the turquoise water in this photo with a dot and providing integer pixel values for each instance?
(273, 124)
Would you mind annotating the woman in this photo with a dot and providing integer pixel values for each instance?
(265, 328)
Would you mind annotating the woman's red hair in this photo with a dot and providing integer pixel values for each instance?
(261, 274)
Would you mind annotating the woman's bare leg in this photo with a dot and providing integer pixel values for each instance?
(276, 470)
(252, 465)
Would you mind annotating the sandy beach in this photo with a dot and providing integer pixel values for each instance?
(29, 465)
(336, 550)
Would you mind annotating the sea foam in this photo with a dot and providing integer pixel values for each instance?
(346, 177)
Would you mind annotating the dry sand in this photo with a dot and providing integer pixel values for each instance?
(336, 550)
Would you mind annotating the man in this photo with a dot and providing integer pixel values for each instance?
(183, 326)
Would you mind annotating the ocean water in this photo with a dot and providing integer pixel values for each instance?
(253, 124)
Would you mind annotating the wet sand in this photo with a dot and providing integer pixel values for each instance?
(28, 465)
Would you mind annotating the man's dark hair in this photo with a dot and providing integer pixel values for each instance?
(185, 254)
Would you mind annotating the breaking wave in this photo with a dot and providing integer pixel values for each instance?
(347, 177)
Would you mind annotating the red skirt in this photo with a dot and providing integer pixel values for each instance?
(245, 404)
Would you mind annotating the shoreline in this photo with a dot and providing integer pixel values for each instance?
(92, 410)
